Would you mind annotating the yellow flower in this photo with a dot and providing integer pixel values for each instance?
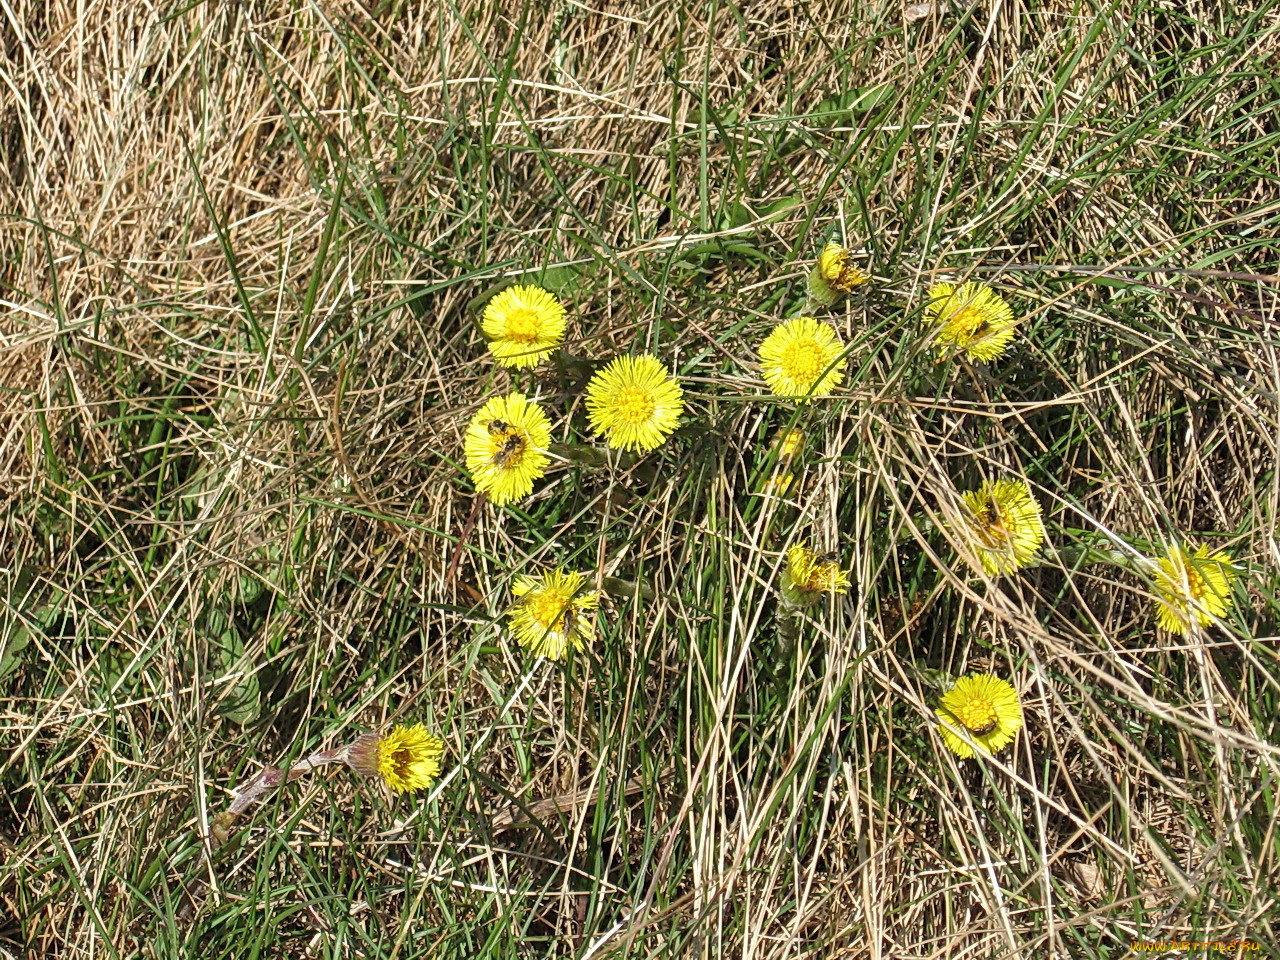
(787, 446)
(808, 575)
(1001, 523)
(523, 324)
(972, 318)
(789, 443)
(1192, 588)
(802, 357)
(984, 707)
(407, 758)
(833, 276)
(634, 403)
(506, 445)
(551, 615)
(779, 484)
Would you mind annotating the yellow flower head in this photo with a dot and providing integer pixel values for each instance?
(506, 446)
(1001, 522)
(971, 318)
(789, 443)
(407, 758)
(808, 575)
(634, 402)
(801, 358)
(551, 615)
(780, 484)
(984, 707)
(833, 275)
(523, 324)
(1192, 588)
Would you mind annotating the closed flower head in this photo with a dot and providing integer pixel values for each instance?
(971, 318)
(552, 614)
(789, 443)
(833, 275)
(506, 446)
(985, 708)
(801, 358)
(1001, 522)
(523, 324)
(808, 575)
(779, 484)
(406, 759)
(634, 403)
(1192, 588)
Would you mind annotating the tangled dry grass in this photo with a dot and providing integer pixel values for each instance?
(243, 249)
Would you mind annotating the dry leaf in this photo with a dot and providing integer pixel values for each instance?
(917, 11)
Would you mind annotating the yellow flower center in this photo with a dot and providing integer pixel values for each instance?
(1196, 584)
(398, 763)
(978, 714)
(991, 529)
(508, 447)
(802, 362)
(548, 608)
(523, 325)
(967, 321)
(633, 404)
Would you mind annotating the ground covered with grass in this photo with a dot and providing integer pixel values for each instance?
(244, 252)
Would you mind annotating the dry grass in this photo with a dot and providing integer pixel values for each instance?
(242, 250)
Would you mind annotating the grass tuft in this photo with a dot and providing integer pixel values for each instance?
(244, 252)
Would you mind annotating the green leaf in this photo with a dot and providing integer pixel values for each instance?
(840, 109)
(242, 701)
(869, 98)
(19, 639)
(560, 280)
(248, 589)
(741, 214)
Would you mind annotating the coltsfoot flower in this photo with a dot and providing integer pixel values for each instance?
(634, 403)
(523, 324)
(552, 614)
(984, 707)
(808, 575)
(971, 318)
(1192, 588)
(779, 484)
(833, 275)
(406, 759)
(506, 446)
(801, 358)
(789, 443)
(1001, 522)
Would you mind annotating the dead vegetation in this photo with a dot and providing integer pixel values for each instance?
(241, 250)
